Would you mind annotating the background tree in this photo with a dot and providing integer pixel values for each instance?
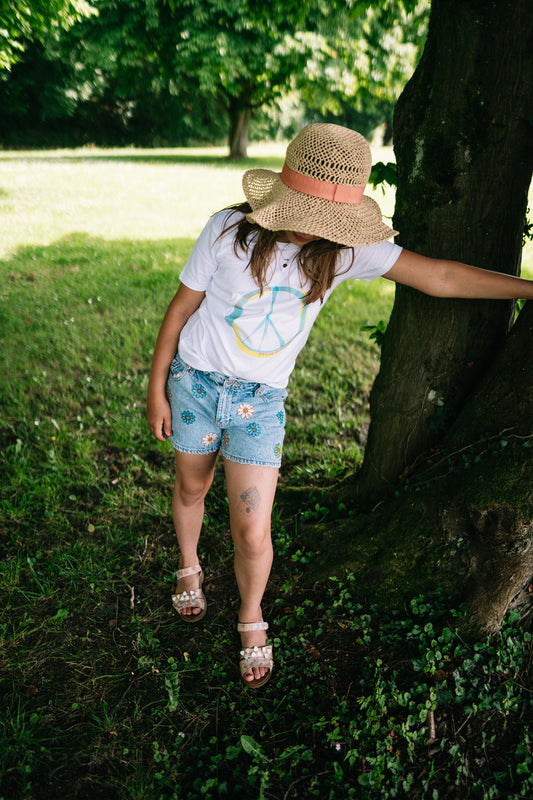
(21, 22)
(109, 80)
(248, 55)
(455, 390)
(147, 73)
(357, 76)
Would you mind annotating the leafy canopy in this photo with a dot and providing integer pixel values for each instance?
(247, 52)
(23, 20)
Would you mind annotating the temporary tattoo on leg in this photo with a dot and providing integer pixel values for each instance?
(251, 499)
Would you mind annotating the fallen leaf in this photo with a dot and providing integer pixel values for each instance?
(312, 651)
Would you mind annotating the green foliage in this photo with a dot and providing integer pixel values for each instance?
(21, 22)
(528, 229)
(363, 63)
(376, 332)
(153, 73)
(383, 174)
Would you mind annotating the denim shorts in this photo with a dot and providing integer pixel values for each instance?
(210, 412)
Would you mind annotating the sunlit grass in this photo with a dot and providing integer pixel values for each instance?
(133, 193)
(121, 194)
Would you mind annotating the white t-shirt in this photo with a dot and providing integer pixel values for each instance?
(241, 333)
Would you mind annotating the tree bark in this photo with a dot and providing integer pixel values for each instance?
(239, 126)
(461, 525)
(452, 407)
(464, 149)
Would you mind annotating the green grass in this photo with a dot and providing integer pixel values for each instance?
(104, 692)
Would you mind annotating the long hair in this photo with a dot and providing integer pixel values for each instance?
(317, 260)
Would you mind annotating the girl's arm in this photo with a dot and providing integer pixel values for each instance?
(440, 278)
(184, 303)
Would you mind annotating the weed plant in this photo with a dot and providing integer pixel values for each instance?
(105, 693)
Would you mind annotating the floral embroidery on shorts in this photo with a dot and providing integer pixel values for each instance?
(246, 411)
(209, 438)
(225, 439)
(199, 390)
(277, 450)
(188, 417)
(169, 394)
(253, 429)
(281, 417)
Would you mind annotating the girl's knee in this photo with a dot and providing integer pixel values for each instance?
(252, 542)
(194, 475)
(191, 490)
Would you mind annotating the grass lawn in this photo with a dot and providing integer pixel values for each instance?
(105, 693)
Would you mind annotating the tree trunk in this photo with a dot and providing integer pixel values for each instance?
(239, 125)
(462, 523)
(463, 142)
(452, 407)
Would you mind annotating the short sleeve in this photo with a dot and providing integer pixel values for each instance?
(371, 261)
(202, 262)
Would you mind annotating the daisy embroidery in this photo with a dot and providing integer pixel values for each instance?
(246, 411)
(188, 417)
(277, 450)
(199, 390)
(253, 429)
(208, 439)
(281, 416)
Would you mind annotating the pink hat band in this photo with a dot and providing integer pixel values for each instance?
(323, 189)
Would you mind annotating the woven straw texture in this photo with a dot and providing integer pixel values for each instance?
(328, 153)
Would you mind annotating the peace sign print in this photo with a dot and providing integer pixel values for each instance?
(266, 323)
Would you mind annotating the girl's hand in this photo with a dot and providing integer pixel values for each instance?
(159, 418)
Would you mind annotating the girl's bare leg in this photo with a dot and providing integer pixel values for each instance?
(194, 475)
(251, 491)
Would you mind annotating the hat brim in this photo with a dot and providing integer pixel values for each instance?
(276, 207)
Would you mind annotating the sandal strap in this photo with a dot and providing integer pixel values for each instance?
(242, 627)
(256, 657)
(183, 573)
(189, 599)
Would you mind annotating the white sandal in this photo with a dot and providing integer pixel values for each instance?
(190, 598)
(256, 657)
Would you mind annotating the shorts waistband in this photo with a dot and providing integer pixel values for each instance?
(229, 381)
(226, 380)
(238, 383)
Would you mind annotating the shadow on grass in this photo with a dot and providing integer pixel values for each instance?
(74, 315)
(79, 247)
(147, 157)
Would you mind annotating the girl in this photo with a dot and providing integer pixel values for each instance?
(254, 284)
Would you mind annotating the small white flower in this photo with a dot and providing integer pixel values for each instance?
(208, 439)
(246, 411)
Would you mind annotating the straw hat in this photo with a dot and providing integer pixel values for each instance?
(320, 190)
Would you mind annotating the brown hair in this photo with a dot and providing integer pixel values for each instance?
(317, 260)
